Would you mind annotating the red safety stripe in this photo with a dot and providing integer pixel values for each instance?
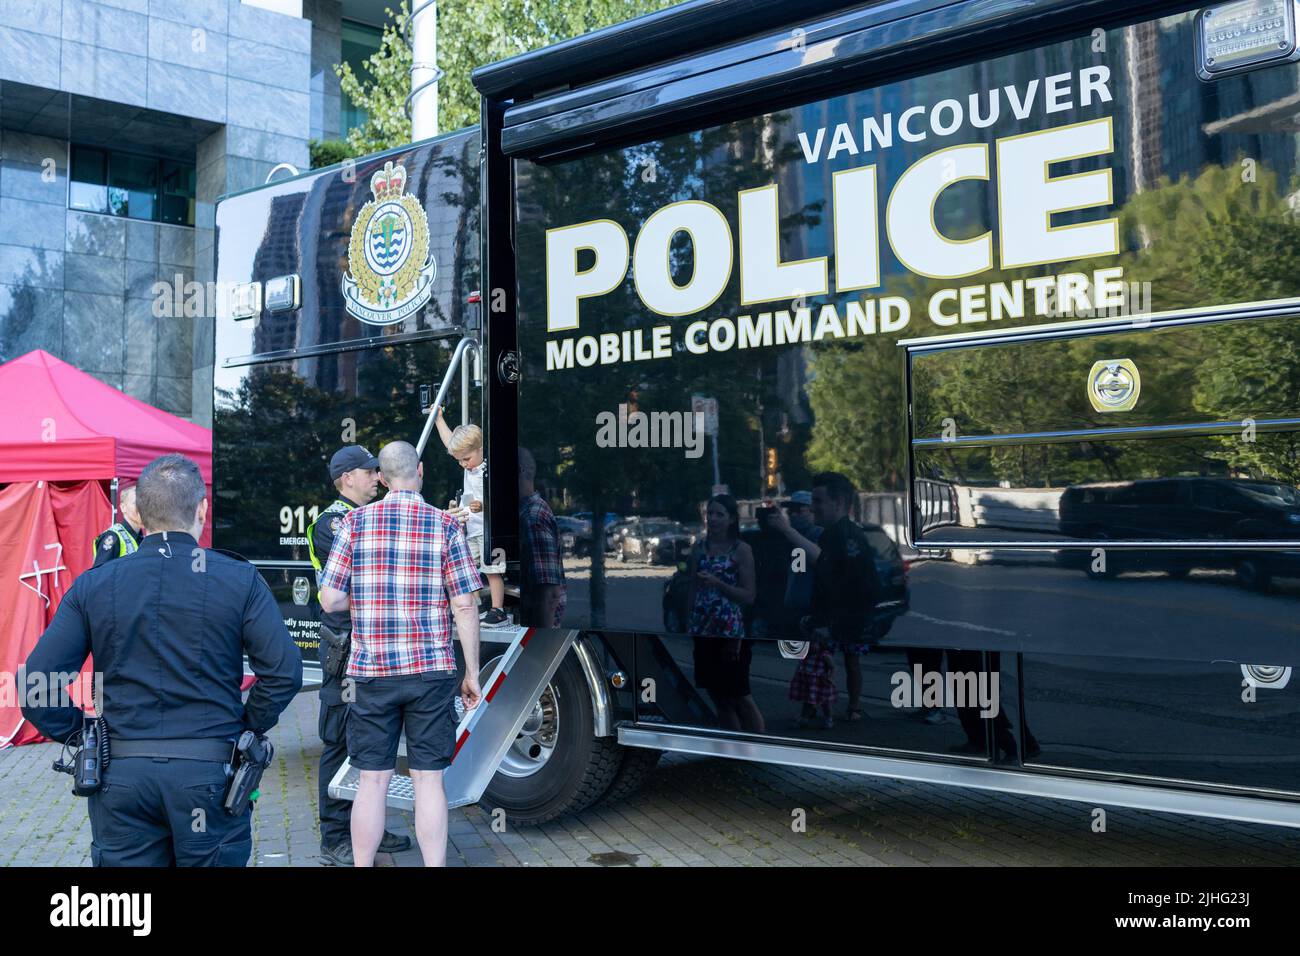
(496, 685)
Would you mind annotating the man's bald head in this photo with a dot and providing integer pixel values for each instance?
(399, 466)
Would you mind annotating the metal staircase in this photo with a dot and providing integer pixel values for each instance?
(484, 734)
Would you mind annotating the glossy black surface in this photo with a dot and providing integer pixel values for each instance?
(1161, 719)
(880, 39)
(684, 28)
(1202, 178)
(304, 225)
(281, 408)
(276, 430)
(1187, 378)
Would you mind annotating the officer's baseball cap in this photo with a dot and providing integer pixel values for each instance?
(349, 457)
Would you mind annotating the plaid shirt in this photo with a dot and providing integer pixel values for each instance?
(401, 560)
(541, 564)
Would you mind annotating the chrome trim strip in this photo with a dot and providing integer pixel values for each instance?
(601, 708)
(1096, 792)
(1021, 544)
(1120, 433)
(1127, 323)
(333, 348)
(1143, 778)
(280, 564)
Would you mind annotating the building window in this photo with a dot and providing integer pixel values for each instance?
(128, 184)
(360, 41)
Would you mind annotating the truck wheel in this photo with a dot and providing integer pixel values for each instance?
(556, 765)
(637, 764)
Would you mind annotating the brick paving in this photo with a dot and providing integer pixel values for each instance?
(693, 811)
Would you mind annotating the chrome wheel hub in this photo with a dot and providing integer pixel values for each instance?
(535, 742)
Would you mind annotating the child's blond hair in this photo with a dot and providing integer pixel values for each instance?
(465, 438)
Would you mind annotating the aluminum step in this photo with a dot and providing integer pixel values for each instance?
(485, 733)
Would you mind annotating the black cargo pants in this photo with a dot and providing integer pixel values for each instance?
(153, 811)
(335, 815)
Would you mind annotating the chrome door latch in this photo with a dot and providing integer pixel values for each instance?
(1114, 385)
(508, 368)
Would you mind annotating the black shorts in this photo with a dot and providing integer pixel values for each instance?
(424, 704)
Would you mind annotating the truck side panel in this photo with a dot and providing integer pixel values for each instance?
(757, 277)
(385, 252)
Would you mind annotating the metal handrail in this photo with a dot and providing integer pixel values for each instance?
(466, 344)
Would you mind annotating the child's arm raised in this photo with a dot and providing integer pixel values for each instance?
(444, 430)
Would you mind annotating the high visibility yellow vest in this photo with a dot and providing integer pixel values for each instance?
(339, 506)
(125, 540)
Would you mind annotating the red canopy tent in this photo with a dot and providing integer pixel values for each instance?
(64, 436)
(60, 424)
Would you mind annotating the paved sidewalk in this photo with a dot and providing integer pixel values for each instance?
(693, 812)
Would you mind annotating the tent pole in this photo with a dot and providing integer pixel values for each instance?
(113, 497)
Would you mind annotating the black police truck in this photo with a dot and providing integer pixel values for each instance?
(1008, 268)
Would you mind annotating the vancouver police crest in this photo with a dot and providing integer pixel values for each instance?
(390, 266)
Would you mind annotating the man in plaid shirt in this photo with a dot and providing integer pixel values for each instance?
(403, 567)
(543, 592)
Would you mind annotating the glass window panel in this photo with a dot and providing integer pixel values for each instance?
(87, 187)
(133, 186)
(176, 200)
(359, 42)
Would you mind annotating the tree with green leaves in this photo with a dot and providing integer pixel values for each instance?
(471, 33)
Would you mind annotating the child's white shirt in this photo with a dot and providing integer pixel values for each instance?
(474, 487)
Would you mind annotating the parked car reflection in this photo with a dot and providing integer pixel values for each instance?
(1185, 509)
(655, 542)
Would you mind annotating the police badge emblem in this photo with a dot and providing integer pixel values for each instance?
(301, 591)
(390, 268)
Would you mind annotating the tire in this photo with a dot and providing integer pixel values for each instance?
(638, 762)
(579, 769)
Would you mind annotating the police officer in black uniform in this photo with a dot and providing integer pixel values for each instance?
(355, 473)
(122, 537)
(168, 630)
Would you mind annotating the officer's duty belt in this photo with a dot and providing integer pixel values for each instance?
(179, 749)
